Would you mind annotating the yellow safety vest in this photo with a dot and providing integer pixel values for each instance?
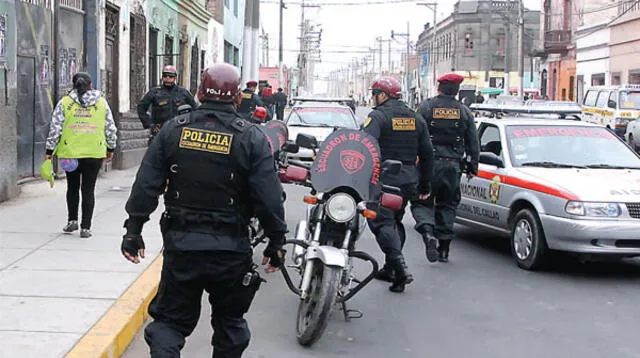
(83, 130)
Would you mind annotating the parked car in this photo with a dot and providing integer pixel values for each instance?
(318, 117)
(632, 134)
(553, 184)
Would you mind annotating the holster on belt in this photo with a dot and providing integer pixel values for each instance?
(193, 221)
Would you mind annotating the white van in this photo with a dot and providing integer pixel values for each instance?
(612, 106)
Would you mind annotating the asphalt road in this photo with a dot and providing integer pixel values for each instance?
(478, 305)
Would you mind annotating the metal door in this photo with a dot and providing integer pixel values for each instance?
(26, 113)
(138, 37)
(153, 58)
(195, 51)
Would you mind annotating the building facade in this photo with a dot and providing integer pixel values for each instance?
(215, 49)
(592, 57)
(625, 44)
(233, 31)
(270, 75)
(478, 41)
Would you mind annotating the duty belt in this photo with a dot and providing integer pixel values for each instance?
(449, 159)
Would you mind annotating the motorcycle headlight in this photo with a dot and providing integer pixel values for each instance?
(606, 210)
(341, 207)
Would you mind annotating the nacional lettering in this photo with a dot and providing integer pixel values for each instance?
(446, 113)
(474, 191)
(204, 140)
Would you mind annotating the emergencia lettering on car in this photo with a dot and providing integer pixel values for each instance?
(446, 113)
(403, 124)
(206, 141)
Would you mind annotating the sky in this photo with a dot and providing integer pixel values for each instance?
(350, 30)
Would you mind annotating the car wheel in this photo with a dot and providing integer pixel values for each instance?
(528, 244)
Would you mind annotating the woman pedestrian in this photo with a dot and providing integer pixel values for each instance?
(82, 134)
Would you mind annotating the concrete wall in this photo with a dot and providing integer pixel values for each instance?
(71, 47)
(8, 144)
(215, 46)
(625, 47)
(592, 55)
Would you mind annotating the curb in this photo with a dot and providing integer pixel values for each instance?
(112, 334)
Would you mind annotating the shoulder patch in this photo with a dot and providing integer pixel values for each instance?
(205, 140)
(367, 121)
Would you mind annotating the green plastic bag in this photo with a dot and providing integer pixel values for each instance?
(46, 171)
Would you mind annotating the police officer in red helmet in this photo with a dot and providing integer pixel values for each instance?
(402, 135)
(456, 149)
(219, 169)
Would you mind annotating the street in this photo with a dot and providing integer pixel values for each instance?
(478, 305)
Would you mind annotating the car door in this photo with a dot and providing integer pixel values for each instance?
(480, 194)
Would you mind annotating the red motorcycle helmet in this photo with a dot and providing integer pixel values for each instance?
(220, 83)
(388, 85)
(260, 113)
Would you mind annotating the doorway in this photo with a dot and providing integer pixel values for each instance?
(26, 114)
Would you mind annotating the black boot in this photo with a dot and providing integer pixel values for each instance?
(443, 250)
(385, 274)
(431, 244)
(402, 276)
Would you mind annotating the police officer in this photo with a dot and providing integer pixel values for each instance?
(402, 135)
(220, 172)
(280, 99)
(250, 100)
(453, 133)
(164, 102)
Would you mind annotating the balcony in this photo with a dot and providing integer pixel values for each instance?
(557, 41)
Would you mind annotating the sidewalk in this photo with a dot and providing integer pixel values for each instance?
(55, 287)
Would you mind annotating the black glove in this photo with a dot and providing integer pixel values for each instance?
(273, 252)
(472, 168)
(424, 188)
(131, 244)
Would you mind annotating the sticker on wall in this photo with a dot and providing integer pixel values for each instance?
(3, 37)
(44, 65)
(73, 64)
(64, 68)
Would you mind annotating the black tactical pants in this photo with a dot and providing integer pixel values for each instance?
(176, 307)
(387, 226)
(436, 214)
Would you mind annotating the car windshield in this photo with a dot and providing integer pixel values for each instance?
(630, 100)
(322, 117)
(568, 146)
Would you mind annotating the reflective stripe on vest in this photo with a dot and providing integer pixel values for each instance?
(83, 130)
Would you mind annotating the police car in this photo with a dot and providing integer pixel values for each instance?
(554, 184)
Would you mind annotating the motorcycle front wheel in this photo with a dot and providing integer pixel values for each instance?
(314, 311)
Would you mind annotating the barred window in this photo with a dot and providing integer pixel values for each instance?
(43, 3)
(76, 4)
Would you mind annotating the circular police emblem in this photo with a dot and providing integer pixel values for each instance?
(494, 189)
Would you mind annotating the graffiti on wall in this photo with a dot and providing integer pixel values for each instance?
(73, 64)
(64, 67)
(44, 66)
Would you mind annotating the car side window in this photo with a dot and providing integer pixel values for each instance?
(590, 98)
(602, 99)
(490, 140)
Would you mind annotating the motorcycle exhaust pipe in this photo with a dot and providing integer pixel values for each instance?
(301, 234)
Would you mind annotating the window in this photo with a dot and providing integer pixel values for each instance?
(235, 8)
(590, 98)
(602, 99)
(572, 86)
(613, 97)
(226, 3)
(597, 79)
(490, 140)
(615, 79)
(236, 56)
(168, 50)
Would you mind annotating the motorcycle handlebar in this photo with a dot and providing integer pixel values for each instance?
(391, 189)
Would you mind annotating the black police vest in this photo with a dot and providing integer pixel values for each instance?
(166, 103)
(203, 175)
(399, 134)
(448, 124)
(248, 104)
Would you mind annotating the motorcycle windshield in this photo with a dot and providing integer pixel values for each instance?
(276, 135)
(348, 158)
(281, 131)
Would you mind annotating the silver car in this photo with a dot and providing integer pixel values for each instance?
(319, 119)
(554, 185)
(632, 134)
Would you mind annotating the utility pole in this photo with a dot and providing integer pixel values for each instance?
(280, 49)
(521, 49)
(433, 6)
(389, 64)
(507, 57)
(302, 55)
(406, 63)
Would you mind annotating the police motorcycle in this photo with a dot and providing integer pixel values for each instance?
(276, 133)
(345, 190)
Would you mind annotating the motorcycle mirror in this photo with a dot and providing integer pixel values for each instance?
(290, 147)
(296, 174)
(391, 166)
(392, 202)
(306, 141)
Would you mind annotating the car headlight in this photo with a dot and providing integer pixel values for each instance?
(607, 210)
(341, 207)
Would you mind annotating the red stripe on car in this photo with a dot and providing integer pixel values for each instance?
(525, 184)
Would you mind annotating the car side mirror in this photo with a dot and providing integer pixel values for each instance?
(491, 159)
(391, 166)
(290, 147)
(306, 141)
(611, 104)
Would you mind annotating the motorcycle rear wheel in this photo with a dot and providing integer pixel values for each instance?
(314, 311)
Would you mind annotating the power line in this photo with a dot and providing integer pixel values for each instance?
(380, 2)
